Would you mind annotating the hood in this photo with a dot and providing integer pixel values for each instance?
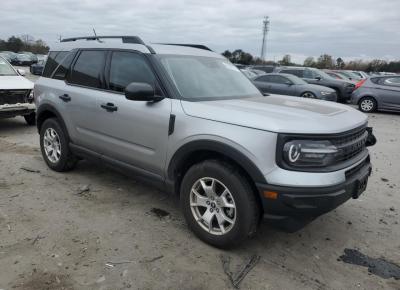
(15, 82)
(281, 114)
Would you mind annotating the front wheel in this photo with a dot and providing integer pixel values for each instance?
(367, 105)
(54, 146)
(308, 95)
(219, 204)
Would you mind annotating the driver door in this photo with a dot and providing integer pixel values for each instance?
(133, 132)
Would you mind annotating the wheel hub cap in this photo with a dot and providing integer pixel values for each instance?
(52, 145)
(213, 206)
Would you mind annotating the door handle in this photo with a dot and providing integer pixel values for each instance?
(109, 107)
(66, 98)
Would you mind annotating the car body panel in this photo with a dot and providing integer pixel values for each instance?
(387, 96)
(278, 114)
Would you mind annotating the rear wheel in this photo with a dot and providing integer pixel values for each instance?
(308, 95)
(30, 119)
(219, 204)
(367, 105)
(54, 146)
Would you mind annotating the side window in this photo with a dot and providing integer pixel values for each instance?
(308, 74)
(51, 63)
(297, 72)
(63, 68)
(128, 67)
(280, 80)
(266, 79)
(88, 68)
(392, 81)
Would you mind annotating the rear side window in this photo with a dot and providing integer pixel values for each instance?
(128, 67)
(266, 79)
(375, 80)
(296, 72)
(63, 68)
(392, 81)
(88, 69)
(53, 60)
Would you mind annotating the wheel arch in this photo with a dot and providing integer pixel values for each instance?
(201, 150)
(45, 112)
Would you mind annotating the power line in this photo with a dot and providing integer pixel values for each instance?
(266, 23)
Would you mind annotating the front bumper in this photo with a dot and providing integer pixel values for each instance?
(13, 110)
(308, 203)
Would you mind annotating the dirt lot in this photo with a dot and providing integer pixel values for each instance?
(56, 235)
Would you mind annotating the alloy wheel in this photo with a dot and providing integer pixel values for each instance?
(52, 145)
(213, 206)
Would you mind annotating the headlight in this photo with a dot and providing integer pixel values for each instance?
(299, 154)
(325, 93)
(31, 97)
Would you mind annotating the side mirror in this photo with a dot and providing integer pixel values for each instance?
(288, 83)
(318, 78)
(21, 72)
(141, 92)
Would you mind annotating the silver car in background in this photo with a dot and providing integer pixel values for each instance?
(378, 93)
(290, 85)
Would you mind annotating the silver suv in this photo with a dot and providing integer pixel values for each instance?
(187, 120)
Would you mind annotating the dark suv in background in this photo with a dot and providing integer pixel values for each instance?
(315, 76)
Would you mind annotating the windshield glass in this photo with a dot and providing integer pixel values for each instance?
(6, 69)
(322, 74)
(296, 80)
(206, 78)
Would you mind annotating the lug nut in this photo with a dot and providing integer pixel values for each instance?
(211, 210)
(207, 202)
(217, 210)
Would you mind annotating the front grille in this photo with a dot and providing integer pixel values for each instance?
(350, 144)
(13, 96)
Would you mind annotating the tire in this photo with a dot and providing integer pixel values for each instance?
(30, 119)
(308, 95)
(243, 218)
(60, 161)
(367, 105)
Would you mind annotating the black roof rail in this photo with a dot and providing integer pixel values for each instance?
(125, 38)
(199, 46)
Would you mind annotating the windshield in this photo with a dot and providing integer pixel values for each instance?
(322, 74)
(296, 80)
(206, 78)
(6, 69)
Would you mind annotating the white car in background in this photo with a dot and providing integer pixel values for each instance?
(16, 93)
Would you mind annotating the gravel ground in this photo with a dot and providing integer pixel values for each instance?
(92, 228)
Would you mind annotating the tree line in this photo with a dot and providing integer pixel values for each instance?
(24, 43)
(324, 61)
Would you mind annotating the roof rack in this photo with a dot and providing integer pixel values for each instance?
(199, 46)
(125, 38)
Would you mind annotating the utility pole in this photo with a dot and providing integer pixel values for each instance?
(266, 23)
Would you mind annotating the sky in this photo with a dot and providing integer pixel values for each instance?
(351, 29)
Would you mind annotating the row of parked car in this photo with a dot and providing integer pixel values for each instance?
(23, 58)
(369, 92)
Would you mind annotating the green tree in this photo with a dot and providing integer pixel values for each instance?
(15, 44)
(286, 60)
(340, 63)
(309, 62)
(325, 61)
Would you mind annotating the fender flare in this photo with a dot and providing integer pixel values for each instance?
(185, 150)
(49, 108)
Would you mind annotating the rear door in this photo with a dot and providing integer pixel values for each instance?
(84, 85)
(389, 92)
(264, 84)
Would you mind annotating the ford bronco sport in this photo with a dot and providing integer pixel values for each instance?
(185, 119)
